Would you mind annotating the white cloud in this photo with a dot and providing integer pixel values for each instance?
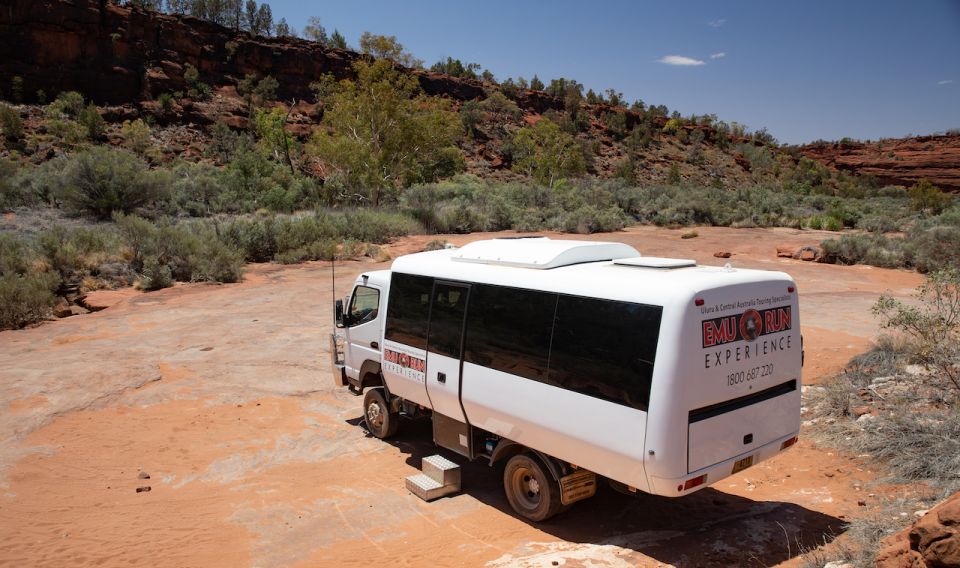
(717, 23)
(945, 82)
(718, 55)
(679, 60)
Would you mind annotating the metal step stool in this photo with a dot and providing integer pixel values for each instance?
(440, 477)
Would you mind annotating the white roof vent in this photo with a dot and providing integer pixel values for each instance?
(656, 262)
(541, 252)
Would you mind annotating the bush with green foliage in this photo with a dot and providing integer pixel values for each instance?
(928, 198)
(136, 136)
(101, 181)
(547, 154)
(92, 122)
(11, 125)
(385, 134)
(27, 284)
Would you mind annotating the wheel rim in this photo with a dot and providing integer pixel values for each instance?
(374, 416)
(526, 487)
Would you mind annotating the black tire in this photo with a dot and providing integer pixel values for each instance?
(381, 422)
(531, 490)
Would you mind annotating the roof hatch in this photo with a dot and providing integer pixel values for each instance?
(656, 262)
(541, 252)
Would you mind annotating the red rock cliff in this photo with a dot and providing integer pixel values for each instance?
(896, 161)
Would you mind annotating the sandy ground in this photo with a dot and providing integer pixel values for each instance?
(221, 394)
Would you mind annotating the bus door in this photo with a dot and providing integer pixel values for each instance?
(444, 364)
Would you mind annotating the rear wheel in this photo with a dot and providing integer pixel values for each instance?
(381, 421)
(530, 489)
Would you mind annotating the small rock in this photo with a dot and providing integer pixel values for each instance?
(920, 513)
(144, 489)
(864, 418)
(915, 370)
(786, 251)
(859, 411)
(808, 253)
(861, 503)
(723, 254)
(143, 475)
(78, 310)
(62, 309)
(837, 564)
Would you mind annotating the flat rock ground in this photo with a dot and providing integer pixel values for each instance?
(222, 394)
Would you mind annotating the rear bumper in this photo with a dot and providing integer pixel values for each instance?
(673, 486)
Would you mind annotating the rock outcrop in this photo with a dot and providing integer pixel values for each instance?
(896, 161)
(119, 55)
(932, 542)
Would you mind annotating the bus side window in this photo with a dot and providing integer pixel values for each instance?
(605, 349)
(408, 309)
(508, 329)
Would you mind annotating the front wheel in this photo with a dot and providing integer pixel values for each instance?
(381, 422)
(530, 489)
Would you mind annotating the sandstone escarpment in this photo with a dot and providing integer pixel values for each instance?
(896, 161)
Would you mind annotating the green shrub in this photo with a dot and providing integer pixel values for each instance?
(673, 177)
(91, 120)
(136, 136)
(10, 123)
(165, 102)
(831, 223)
(67, 105)
(590, 219)
(27, 284)
(76, 253)
(216, 261)
(24, 299)
(876, 224)
(925, 196)
(934, 247)
(102, 181)
(156, 276)
(69, 132)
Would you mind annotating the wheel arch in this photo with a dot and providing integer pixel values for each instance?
(370, 375)
(506, 449)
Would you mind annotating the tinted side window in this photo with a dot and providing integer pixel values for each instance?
(508, 329)
(408, 310)
(605, 349)
(446, 319)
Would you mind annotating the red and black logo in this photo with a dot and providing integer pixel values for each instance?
(747, 326)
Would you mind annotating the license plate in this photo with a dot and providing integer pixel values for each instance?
(577, 486)
(742, 464)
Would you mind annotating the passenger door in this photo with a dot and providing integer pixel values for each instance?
(444, 363)
(362, 329)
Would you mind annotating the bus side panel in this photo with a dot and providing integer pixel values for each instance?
(601, 436)
(404, 370)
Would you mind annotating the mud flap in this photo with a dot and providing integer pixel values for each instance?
(577, 486)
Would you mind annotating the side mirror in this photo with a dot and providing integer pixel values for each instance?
(338, 313)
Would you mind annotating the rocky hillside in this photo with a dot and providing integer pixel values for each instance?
(124, 59)
(896, 161)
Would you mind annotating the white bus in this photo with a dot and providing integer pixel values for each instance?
(568, 360)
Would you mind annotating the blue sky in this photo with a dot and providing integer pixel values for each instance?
(803, 70)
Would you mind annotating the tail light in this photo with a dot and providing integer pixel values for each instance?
(698, 301)
(692, 482)
(787, 443)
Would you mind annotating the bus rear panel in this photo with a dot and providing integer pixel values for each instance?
(732, 397)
